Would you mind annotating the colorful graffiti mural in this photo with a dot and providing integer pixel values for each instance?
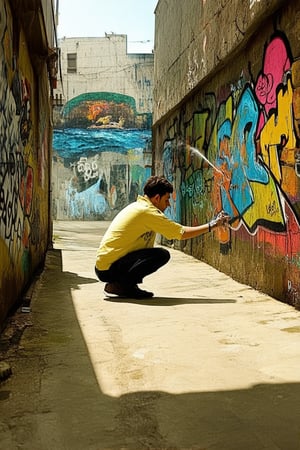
(252, 142)
(96, 172)
(16, 173)
(101, 156)
(23, 184)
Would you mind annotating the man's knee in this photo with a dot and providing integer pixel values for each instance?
(164, 255)
(103, 275)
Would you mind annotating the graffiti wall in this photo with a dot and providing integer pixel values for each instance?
(239, 152)
(24, 164)
(102, 166)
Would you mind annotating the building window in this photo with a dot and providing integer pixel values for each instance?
(72, 63)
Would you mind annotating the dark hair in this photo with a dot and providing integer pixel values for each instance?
(157, 185)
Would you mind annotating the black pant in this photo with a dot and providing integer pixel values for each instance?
(133, 267)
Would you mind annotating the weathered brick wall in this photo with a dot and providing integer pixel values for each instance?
(25, 141)
(230, 88)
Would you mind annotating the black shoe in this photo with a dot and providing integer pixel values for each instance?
(119, 290)
(115, 290)
(136, 292)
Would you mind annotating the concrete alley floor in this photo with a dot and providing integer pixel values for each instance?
(207, 364)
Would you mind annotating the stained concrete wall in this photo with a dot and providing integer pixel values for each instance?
(25, 143)
(227, 83)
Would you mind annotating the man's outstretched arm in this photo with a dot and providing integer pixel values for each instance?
(191, 232)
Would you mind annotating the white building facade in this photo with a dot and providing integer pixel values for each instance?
(102, 64)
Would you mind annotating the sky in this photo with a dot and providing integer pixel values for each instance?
(94, 18)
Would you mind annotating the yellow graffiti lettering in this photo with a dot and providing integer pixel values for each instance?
(264, 194)
(278, 131)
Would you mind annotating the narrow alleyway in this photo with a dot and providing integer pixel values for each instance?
(207, 364)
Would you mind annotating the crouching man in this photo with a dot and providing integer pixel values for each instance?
(127, 254)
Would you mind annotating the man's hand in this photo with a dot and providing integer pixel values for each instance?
(221, 219)
(191, 232)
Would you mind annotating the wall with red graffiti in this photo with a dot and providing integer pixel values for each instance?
(24, 163)
(233, 145)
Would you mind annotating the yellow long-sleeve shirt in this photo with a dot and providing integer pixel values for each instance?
(134, 228)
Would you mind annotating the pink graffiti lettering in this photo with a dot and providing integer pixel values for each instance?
(276, 64)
